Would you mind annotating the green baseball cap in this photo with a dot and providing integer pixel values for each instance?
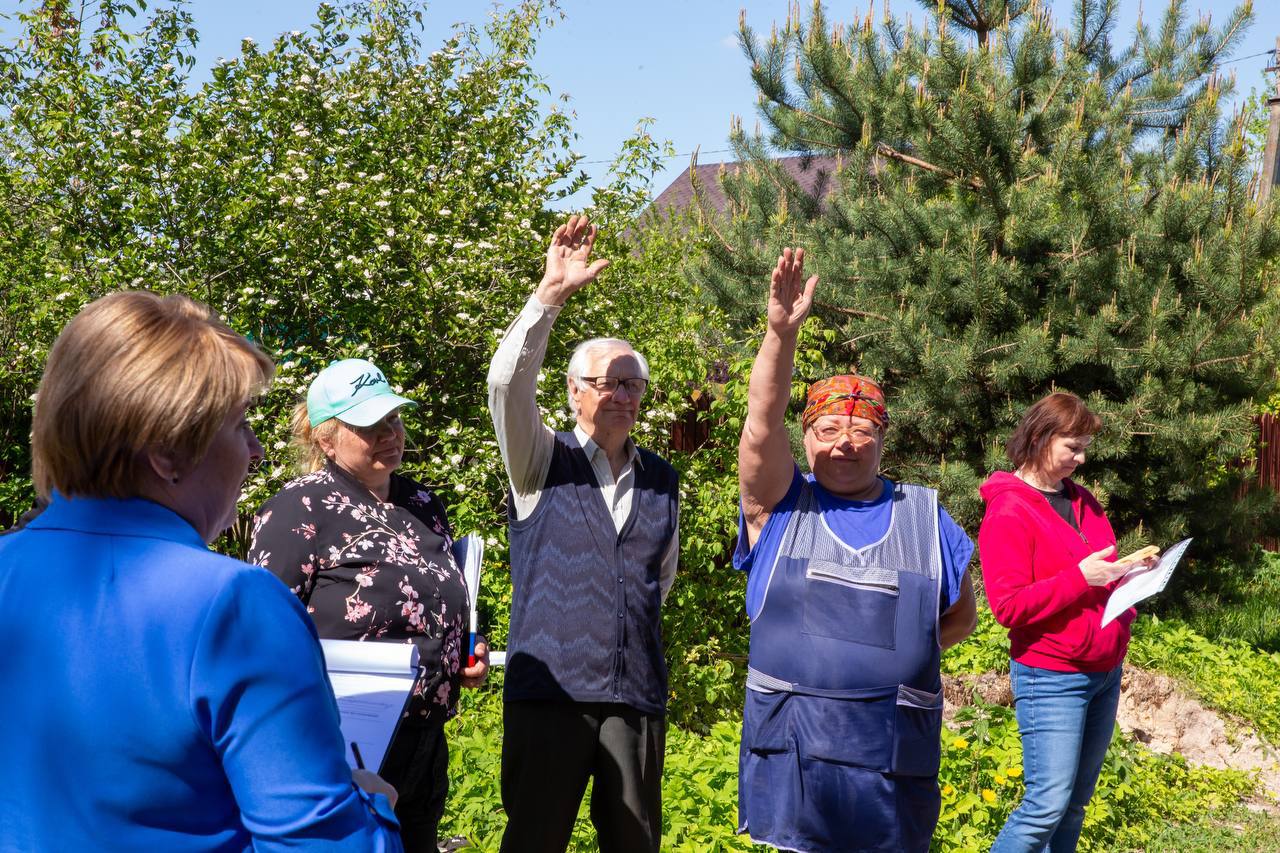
(354, 391)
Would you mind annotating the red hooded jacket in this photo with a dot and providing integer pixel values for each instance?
(1030, 567)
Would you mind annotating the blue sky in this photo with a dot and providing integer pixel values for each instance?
(676, 61)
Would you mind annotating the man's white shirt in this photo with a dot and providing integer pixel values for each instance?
(527, 443)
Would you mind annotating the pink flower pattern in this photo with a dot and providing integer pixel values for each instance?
(330, 540)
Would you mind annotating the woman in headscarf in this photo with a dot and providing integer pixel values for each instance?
(368, 552)
(159, 696)
(855, 585)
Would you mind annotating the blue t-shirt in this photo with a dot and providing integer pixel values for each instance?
(857, 524)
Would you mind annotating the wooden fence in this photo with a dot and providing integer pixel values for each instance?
(1267, 465)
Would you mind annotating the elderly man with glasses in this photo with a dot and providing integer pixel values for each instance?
(594, 543)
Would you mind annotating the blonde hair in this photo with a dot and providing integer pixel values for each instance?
(306, 438)
(134, 372)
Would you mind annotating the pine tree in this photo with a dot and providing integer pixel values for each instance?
(1021, 208)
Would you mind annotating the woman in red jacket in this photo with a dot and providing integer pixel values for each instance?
(1048, 561)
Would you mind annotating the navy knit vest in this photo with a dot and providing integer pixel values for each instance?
(586, 621)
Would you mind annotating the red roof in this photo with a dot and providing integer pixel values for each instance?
(816, 175)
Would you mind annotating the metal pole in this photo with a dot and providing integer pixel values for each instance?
(1271, 154)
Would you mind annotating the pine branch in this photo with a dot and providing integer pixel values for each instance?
(853, 312)
(884, 150)
(707, 220)
(1224, 360)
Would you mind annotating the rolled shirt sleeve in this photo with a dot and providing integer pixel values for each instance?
(524, 440)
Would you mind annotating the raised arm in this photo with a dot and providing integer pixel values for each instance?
(569, 267)
(525, 442)
(765, 463)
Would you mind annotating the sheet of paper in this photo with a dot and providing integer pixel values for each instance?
(1143, 583)
(371, 683)
(469, 553)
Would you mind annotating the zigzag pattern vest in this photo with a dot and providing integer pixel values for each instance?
(586, 622)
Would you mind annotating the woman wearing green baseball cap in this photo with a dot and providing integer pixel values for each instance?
(369, 553)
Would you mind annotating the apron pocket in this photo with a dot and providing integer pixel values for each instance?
(917, 734)
(857, 732)
(764, 722)
(856, 605)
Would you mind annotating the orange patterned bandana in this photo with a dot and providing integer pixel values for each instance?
(845, 395)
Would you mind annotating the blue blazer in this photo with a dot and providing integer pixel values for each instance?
(158, 696)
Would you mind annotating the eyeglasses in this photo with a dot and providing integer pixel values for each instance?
(608, 384)
(390, 421)
(859, 436)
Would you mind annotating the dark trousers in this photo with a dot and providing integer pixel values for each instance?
(417, 766)
(550, 749)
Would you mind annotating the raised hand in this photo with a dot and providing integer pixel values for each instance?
(568, 270)
(789, 300)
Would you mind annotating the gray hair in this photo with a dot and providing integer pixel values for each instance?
(583, 352)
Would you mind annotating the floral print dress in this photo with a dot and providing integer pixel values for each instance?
(368, 569)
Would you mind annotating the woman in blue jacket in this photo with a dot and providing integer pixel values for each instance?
(158, 696)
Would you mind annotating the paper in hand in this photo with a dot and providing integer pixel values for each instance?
(371, 683)
(469, 552)
(1143, 583)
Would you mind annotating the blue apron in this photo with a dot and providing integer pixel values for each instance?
(841, 730)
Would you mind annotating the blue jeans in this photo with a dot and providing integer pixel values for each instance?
(1066, 720)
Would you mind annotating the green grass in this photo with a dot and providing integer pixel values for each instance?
(1144, 802)
(1243, 604)
(1229, 831)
